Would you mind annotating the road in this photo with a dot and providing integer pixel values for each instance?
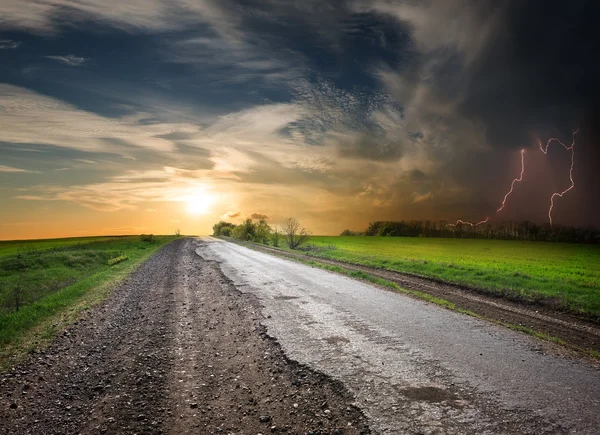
(175, 349)
(412, 366)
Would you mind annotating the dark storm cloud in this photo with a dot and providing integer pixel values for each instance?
(538, 72)
(490, 78)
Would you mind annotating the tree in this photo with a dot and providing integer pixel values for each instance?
(262, 232)
(295, 235)
(275, 236)
(223, 228)
(245, 231)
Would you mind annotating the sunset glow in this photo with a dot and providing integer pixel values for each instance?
(200, 203)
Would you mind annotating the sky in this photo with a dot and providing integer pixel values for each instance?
(148, 116)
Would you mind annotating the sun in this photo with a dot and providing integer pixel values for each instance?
(200, 203)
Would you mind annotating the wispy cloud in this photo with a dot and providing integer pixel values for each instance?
(126, 191)
(420, 197)
(69, 59)
(8, 44)
(9, 169)
(231, 214)
(29, 117)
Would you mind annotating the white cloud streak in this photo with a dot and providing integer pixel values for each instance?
(69, 59)
(9, 44)
(29, 117)
(9, 169)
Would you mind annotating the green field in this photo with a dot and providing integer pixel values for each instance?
(42, 279)
(558, 273)
(9, 247)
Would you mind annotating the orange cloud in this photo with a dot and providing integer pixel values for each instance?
(231, 214)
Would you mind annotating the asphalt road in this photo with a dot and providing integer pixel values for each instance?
(412, 366)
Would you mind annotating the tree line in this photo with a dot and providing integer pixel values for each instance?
(507, 230)
(290, 232)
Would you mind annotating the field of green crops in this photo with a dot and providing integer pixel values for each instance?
(9, 247)
(41, 278)
(567, 274)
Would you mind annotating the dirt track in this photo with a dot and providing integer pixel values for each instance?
(176, 349)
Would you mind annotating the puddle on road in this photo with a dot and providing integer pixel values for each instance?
(427, 394)
(336, 340)
(286, 298)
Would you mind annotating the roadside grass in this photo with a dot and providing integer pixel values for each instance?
(566, 276)
(58, 284)
(10, 247)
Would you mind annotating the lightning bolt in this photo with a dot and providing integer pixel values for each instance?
(468, 223)
(512, 186)
(516, 180)
(568, 148)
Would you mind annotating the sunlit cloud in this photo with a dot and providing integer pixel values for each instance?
(231, 214)
(29, 117)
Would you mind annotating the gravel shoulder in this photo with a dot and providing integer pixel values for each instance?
(175, 349)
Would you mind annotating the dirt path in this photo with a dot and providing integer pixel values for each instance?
(176, 349)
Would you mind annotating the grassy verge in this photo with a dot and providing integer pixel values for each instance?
(91, 279)
(10, 247)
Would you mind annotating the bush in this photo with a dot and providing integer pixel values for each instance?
(117, 260)
(149, 238)
(351, 233)
(223, 228)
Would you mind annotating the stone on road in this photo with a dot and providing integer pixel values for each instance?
(414, 367)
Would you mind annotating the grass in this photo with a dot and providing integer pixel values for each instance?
(59, 281)
(11, 247)
(565, 275)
